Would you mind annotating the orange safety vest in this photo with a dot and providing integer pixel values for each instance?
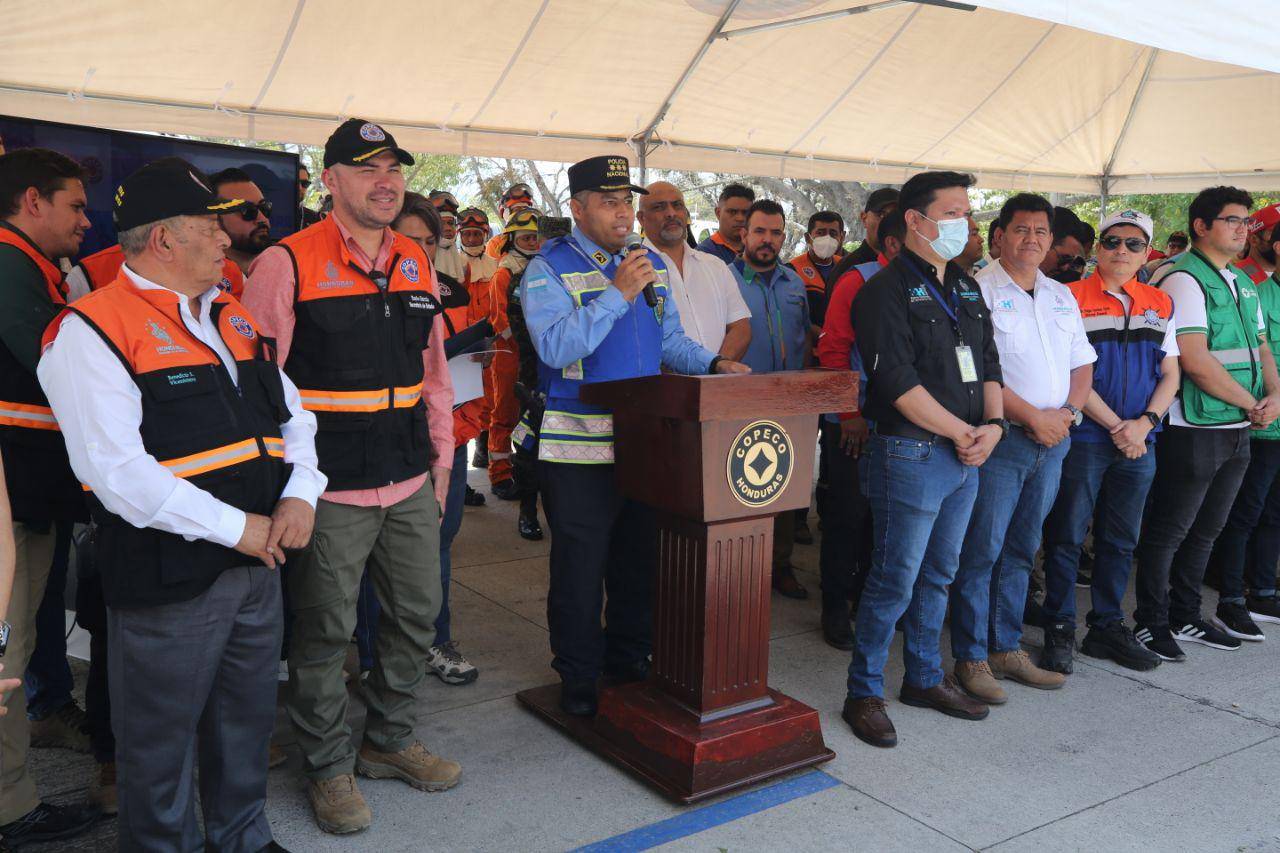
(101, 268)
(38, 474)
(220, 435)
(809, 272)
(356, 356)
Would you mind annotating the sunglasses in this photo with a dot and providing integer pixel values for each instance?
(249, 211)
(1072, 261)
(1133, 244)
(304, 184)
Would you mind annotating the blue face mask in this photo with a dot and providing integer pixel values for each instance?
(953, 234)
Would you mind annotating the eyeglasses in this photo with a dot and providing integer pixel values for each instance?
(249, 211)
(1233, 222)
(1133, 244)
(1073, 261)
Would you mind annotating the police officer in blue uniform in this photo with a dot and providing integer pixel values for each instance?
(589, 323)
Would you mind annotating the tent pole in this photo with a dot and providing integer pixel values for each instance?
(1105, 186)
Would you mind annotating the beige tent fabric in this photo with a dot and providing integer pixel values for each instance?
(1024, 101)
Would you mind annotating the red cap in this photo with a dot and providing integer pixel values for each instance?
(1266, 218)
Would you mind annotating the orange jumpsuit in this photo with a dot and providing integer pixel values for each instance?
(476, 275)
(502, 372)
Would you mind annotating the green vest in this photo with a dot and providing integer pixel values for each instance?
(1232, 339)
(1269, 296)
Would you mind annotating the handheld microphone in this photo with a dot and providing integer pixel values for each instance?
(634, 242)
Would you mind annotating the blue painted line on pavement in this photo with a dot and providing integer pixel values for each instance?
(707, 817)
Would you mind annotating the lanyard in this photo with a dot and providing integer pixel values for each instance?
(951, 307)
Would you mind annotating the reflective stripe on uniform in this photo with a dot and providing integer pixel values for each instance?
(579, 452)
(212, 460)
(27, 415)
(1241, 355)
(569, 423)
(275, 447)
(360, 401)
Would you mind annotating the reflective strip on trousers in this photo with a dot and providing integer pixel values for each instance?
(27, 415)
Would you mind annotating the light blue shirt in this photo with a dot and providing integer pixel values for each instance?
(563, 333)
(779, 317)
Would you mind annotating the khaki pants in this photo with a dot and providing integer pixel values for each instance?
(34, 557)
(401, 545)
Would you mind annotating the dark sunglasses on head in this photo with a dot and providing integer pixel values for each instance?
(1133, 244)
(249, 211)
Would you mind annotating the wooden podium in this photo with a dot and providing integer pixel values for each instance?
(717, 457)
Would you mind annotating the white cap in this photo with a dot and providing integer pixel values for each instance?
(1129, 217)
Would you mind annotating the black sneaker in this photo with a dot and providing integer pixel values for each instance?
(480, 457)
(1059, 642)
(1114, 642)
(472, 498)
(1263, 609)
(1205, 634)
(47, 822)
(1160, 641)
(1234, 621)
(506, 490)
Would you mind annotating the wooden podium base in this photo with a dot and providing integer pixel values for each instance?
(648, 733)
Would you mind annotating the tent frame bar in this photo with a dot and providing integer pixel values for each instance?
(623, 141)
(842, 13)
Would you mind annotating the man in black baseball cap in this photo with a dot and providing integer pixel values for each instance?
(879, 202)
(163, 188)
(356, 141)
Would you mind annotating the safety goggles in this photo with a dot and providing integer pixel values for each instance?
(443, 200)
(524, 219)
(1133, 244)
(249, 211)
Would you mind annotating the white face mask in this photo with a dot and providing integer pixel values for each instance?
(445, 244)
(474, 251)
(825, 246)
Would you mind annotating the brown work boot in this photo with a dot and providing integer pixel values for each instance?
(275, 756)
(1016, 665)
(976, 679)
(946, 697)
(65, 728)
(867, 718)
(102, 789)
(339, 806)
(413, 764)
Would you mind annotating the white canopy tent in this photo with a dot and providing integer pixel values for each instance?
(1067, 95)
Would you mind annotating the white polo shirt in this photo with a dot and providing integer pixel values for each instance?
(1040, 337)
(706, 295)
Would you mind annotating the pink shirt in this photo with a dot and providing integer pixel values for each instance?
(269, 294)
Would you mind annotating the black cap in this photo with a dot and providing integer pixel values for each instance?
(356, 140)
(879, 199)
(604, 174)
(167, 187)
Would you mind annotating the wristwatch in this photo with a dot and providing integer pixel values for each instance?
(1153, 417)
(4, 637)
(711, 368)
(1000, 422)
(1077, 416)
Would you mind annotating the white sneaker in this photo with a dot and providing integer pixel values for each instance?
(449, 664)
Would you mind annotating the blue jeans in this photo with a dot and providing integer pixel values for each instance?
(367, 606)
(1249, 540)
(1100, 485)
(1015, 491)
(48, 681)
(921, 496)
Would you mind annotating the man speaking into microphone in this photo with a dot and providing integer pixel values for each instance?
(589, 323)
